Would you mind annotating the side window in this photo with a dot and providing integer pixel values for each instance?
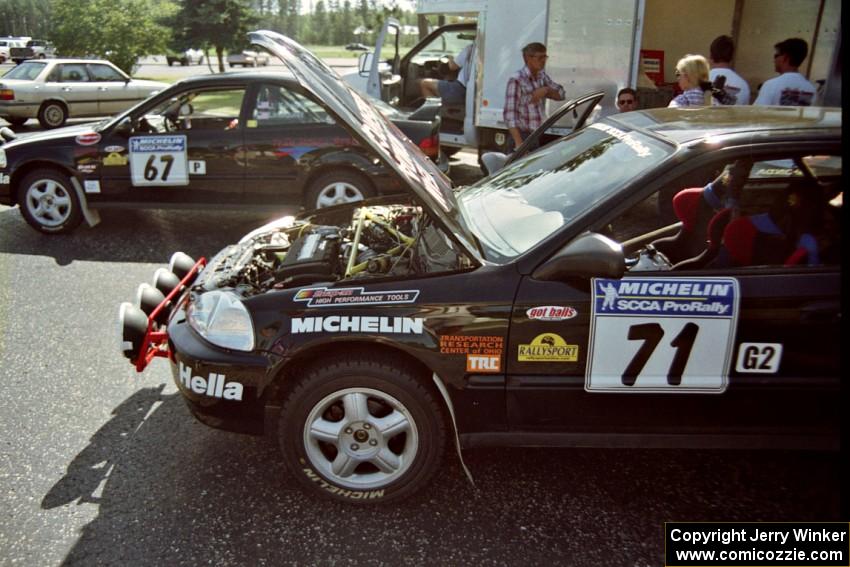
(73, 73)
(201, 110)
(278, 106)
(739, 214)
(100, 72)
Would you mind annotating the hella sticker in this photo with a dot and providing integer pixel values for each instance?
(88, 139)
(214, 386)
(551, 313)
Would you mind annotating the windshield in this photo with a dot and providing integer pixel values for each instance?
(26, 71)
(530, 199)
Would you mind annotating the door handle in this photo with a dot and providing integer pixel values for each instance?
(102, 89)
(66, 89)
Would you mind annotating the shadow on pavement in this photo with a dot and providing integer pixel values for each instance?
(170, 491)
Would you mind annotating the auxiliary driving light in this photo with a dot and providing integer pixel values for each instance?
(134, 325)
(181, 264)
(148, 298)
(165, 280)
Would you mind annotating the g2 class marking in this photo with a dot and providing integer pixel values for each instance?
(759, 358)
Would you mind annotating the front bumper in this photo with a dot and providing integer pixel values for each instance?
(223, 389)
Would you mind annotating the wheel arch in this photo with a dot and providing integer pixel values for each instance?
(91, 216)
(287, 375)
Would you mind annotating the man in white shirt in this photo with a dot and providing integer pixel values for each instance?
(790, 88)
(720, 55)
(452, 92)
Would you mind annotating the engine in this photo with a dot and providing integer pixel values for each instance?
(376, 242)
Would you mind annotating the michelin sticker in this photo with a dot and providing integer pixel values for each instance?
(158, 161)
(662, 335)
(334, 297)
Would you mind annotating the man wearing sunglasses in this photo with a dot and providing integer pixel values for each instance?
(627, 99)
(526, 94)
(790, 88)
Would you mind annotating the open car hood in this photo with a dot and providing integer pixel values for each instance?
(420, 175)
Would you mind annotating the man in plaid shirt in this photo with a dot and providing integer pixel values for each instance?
(527, 92)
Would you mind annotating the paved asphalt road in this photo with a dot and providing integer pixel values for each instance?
(100, 465)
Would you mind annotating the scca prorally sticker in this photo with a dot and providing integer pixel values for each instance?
(551, 313)
(334, 297)
(367, 324)
(158, 161)
(670, 335)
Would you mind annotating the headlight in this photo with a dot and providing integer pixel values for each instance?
(222, 319)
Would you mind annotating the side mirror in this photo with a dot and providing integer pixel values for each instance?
(590, 255)
(493, 161)
(364, 63)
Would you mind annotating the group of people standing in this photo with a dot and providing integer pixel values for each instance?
(528, 88)
(698, 79)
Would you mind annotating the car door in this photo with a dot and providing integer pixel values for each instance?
(708, 350)
(286, 134)
(71, 83)
(114, 92)
(187, 148)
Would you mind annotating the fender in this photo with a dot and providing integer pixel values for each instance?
(448, 401)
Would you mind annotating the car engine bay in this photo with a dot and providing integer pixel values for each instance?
(378, 241)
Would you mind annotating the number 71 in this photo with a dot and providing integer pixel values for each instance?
(651, 334)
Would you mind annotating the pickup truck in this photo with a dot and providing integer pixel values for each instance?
(34, 49)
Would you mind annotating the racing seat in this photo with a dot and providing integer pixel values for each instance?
(703, 219)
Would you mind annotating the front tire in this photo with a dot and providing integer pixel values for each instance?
(362, 430)
(49, 203)
(52, 114)
(336, 188)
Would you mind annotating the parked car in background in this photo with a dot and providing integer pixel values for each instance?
(33, 49)
(6, 44)
(188, 57)
(54, 90)
(357, 47)
(247, 58)
(239, 140)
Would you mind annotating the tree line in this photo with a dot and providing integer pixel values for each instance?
(124, 30)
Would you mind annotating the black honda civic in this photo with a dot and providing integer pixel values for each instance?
(248, 141)
(660, 278)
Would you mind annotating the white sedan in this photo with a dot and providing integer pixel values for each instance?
(53, 90)
(248, 58)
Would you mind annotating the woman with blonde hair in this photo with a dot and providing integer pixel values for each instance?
(692, 77)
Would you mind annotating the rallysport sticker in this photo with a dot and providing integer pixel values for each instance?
(548, 347)
(334, 297)
(662, 334)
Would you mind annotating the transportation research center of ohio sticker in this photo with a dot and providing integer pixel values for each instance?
(670, 335)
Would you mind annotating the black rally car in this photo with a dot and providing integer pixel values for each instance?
(237, 140)
(664, 278)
